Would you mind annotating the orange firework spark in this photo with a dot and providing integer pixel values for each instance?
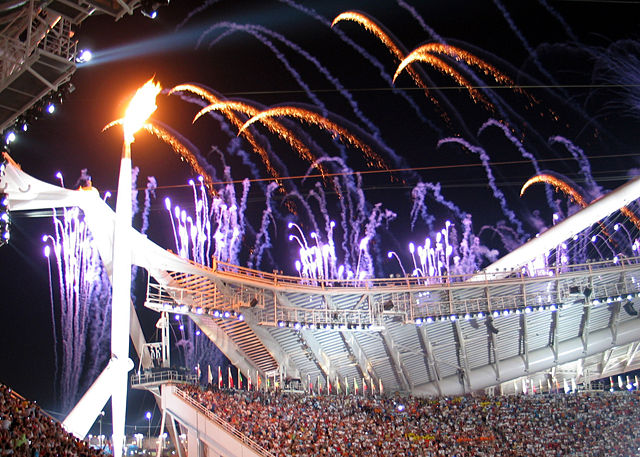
(631, 216)
(470, 59)
(373, 27)
(311, 118)
(179, 148)
(235, 120)
(425, 54)
(229, 107)
(568, 190)
(558, 184)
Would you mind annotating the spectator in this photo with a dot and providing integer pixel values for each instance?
(27, 432)
(583, 424)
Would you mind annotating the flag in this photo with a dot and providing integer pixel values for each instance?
(198, 373)
(566, 386)
(515, 387)
(209, 375)
(381, 388)
(338, 385)
(355, 385)
(259, 382)
(219, 377)
(549, 385)
(249, 385)
(364, 387)
(573, 384)
(524, 386)
(611, 381)
(230, 377)
(346, 385)
(620, 382)
(239, 380)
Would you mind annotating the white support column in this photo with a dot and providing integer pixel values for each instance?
(396, 360)
(430, 359)
(194, 446)
(463, 355)
(363, 361)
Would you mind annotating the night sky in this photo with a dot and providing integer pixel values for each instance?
(570, 91)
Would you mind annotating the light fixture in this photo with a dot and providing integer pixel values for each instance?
(254, 302)
(149, 8)
(84, 56)
(5, 220)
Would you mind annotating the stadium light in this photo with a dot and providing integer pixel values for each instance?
(84, 56)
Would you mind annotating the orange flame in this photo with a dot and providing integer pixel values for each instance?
(141, 106)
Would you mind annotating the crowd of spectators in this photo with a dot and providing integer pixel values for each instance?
(290, 424)
(25, 431)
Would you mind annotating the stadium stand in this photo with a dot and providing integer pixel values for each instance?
(286, 424)
(26, 431)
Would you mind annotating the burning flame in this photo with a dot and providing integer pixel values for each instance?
(142, 105)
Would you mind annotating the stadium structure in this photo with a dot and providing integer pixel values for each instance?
(497, 330)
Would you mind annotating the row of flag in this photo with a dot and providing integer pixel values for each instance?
(529, 387)
(317, 387)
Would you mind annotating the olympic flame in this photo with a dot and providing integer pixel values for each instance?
(142, 105)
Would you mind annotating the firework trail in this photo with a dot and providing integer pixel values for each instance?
(149, 193)
(312, 118)
(162, 132)
(79, 277)
(228, 108)
(273, 126)
(280, 56)
(235, 144)
(508, 236)
(566, 188)
(47, 253)
(392, 44)
(346, 201)
(530, 51)
(359, 49)
(559, 184)
(135, 171)
(527, 155)
(314, 61)
(619, 65)
(497, 102)
(497, 193)
(425, 53)
(583, 162)
(262, 238)
(195, 11)
(419, 207)
(575, 196)
(560, 19)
